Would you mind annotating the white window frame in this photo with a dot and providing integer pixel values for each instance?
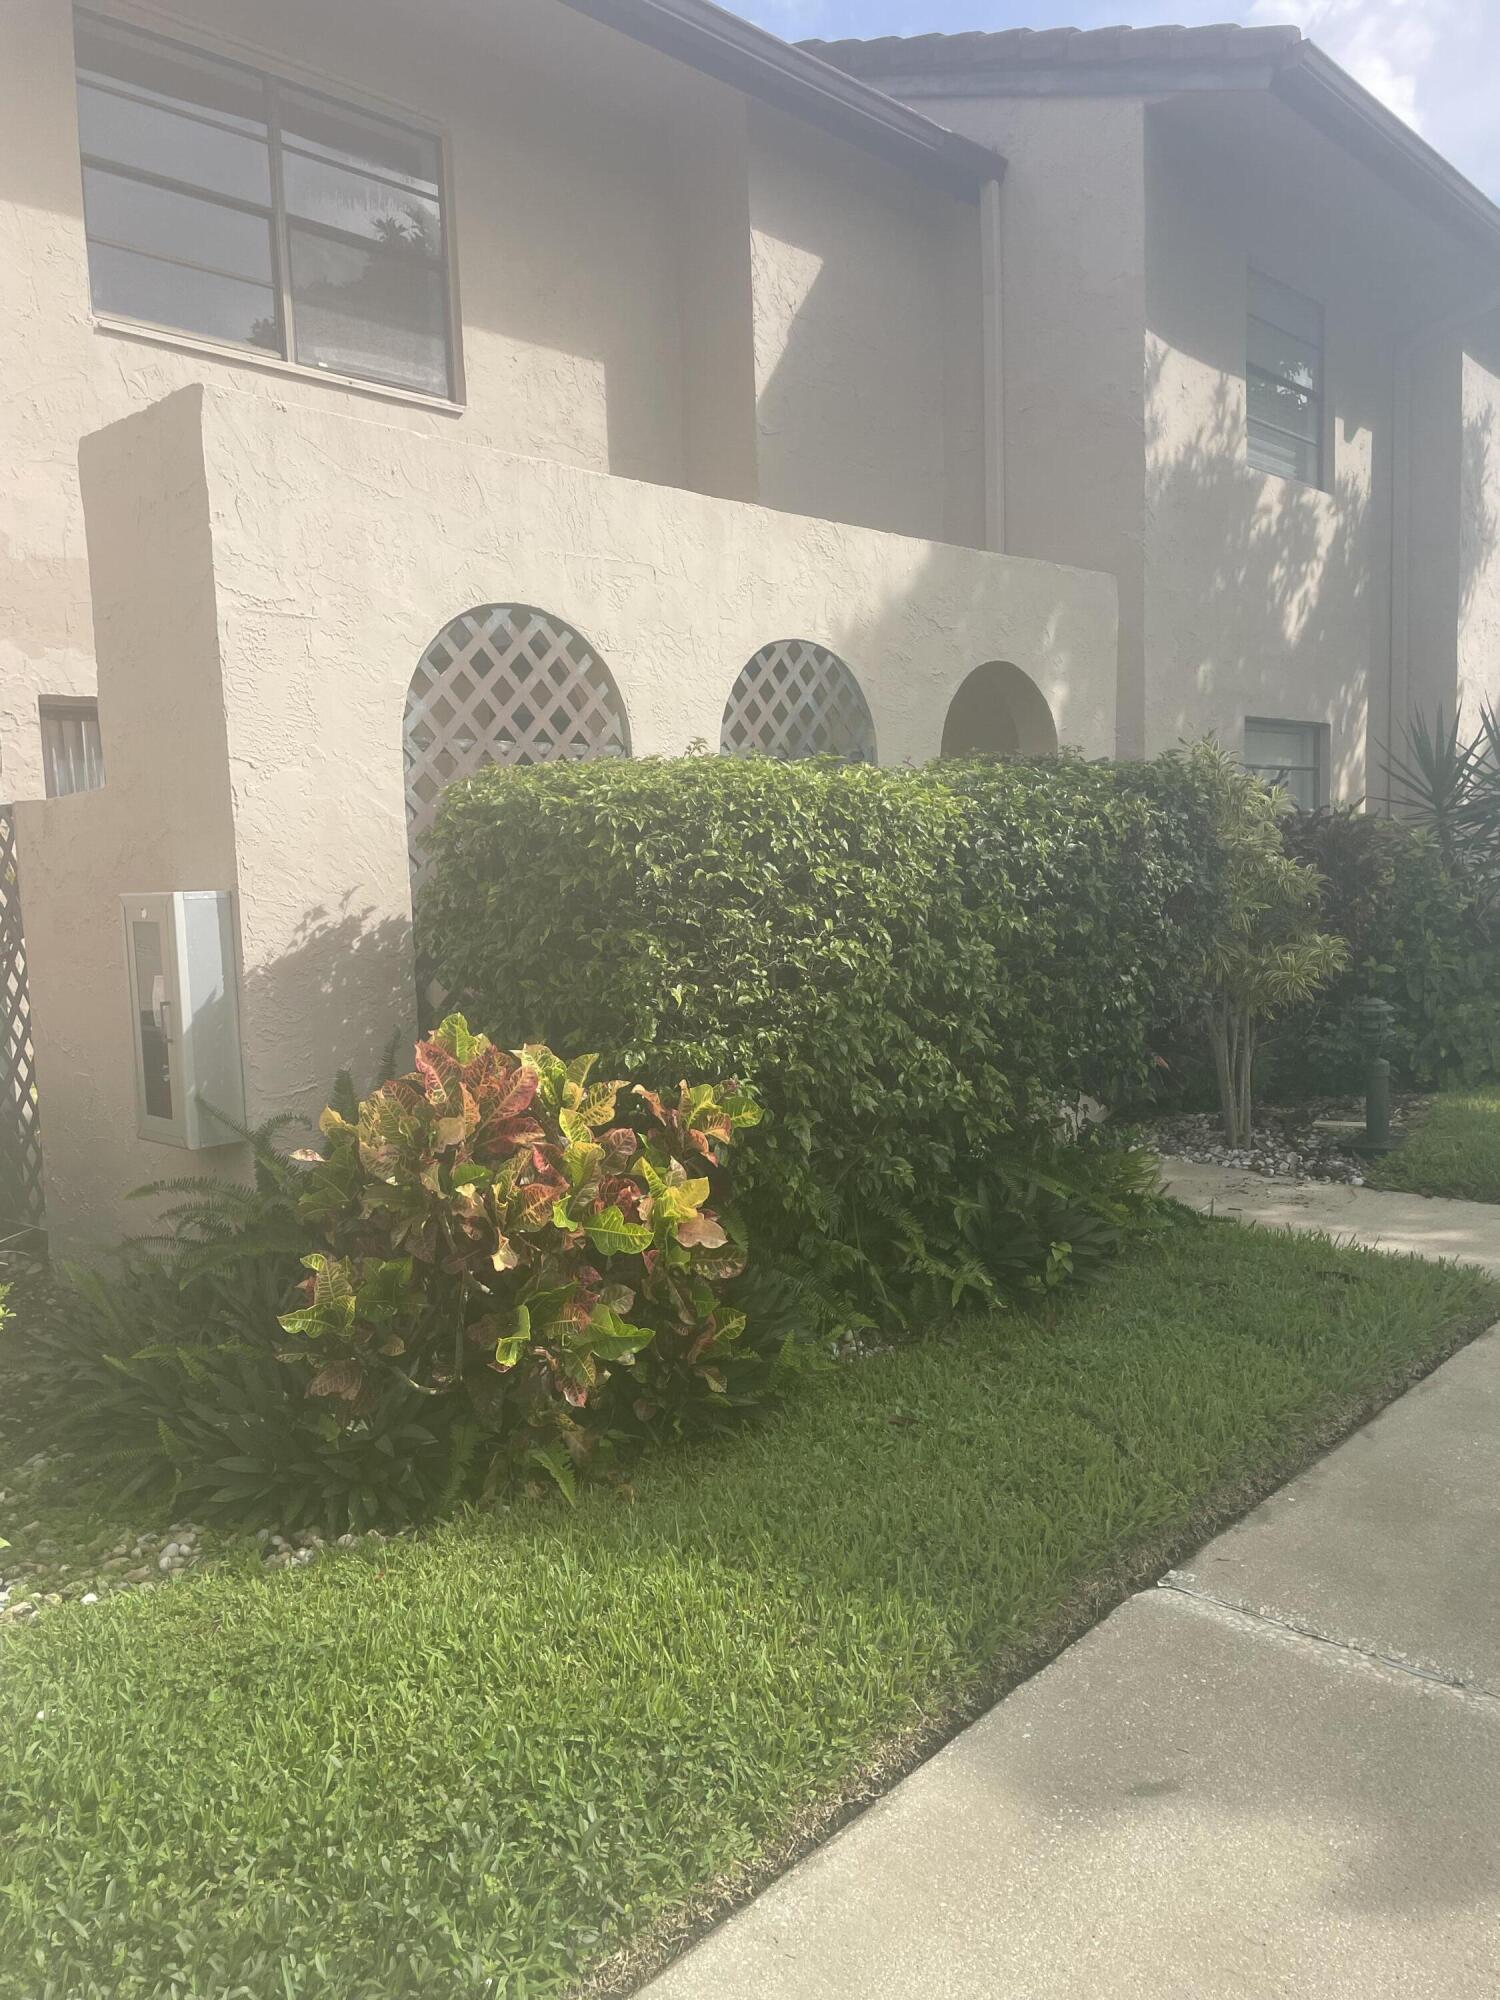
(1317, 734)
(1258, 285)
(275, 76)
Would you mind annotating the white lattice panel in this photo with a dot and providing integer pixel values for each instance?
(503, 685)
(20, 1124)
(794, 699)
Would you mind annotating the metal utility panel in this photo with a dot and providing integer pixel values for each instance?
(185, 1026)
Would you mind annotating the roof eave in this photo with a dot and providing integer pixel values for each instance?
(1296, 71)
(748, 58)
(1313, 85)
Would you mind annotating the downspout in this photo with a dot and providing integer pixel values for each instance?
(1398, 639)
(993, 355)
(1403, 395)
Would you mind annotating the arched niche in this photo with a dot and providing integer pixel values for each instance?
(999, 712)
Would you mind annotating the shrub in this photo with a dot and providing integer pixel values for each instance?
(1272, 954)
(492, 1264)
(496, 1231)
(1419, 934)
(1101, 889)
(914, 970)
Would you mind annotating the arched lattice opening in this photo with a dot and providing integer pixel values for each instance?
(795, 699)
(999, 712)
(503, 684)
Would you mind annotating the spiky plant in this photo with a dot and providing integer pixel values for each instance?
(1449, 784)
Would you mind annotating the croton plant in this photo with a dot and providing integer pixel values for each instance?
(499, 1227)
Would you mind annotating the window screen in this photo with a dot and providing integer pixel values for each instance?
(1289, 754)
(1284, 382)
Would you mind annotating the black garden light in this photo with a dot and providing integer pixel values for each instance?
(1374, 1020)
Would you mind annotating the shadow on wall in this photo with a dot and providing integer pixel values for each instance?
(999, 712)
(854, 268)
(333, 1001)
(1053, 694)
(1479, 521)
(507, 684)
(1268, 610)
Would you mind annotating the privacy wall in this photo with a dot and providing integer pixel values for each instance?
(267, 582)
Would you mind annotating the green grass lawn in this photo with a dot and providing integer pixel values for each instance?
(1454, 1150)
(475, 1763)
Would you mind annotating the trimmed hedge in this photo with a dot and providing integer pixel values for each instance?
(911, 969)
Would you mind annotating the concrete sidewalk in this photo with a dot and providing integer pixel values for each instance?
(1278, 1773)
(1415, 1224)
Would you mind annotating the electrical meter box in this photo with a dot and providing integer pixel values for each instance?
(184, 1013)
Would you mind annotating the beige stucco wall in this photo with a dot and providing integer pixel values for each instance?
(608, 292)
(1264, 596)
(1446, 623)
(1073, 313)
(867, 337)
(267, 576)
(1125, 247)
(1479, 545)
(1129, 224)
(164, 820)
(1425, 619)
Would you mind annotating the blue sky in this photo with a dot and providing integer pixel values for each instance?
(1435, 62)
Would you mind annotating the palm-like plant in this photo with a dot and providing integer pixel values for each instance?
(1449, 784)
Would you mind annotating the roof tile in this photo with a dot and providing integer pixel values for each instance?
(1014, 48)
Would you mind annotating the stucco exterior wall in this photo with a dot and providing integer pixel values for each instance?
(1479, 545)
(269, 574)
(1129, 224)
(164, 820)
(602, 242)
(1073, 318)
(1425, 622)
(867, 334)
(1264, 596)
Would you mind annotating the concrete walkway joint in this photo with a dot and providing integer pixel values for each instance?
(1274, 1774)
(1183, 1586)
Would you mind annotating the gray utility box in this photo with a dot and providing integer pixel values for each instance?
(185, 1017)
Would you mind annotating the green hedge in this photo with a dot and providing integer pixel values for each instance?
(1419, 936)
(910, 968)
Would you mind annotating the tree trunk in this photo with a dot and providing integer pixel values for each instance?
(1231, 1036)
(1245, 1053)
(1220, 1040)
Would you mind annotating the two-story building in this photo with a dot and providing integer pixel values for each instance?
(393, 389)
(1250, 350)
(389, 390)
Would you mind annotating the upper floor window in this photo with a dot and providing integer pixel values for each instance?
(231, 205)
(1292, 755)
(1284, 382)
(72, 753)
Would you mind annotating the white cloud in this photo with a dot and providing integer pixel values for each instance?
(1433, 62)
(1387, 45)
(793, 20)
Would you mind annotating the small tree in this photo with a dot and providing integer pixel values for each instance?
(1270, 953)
